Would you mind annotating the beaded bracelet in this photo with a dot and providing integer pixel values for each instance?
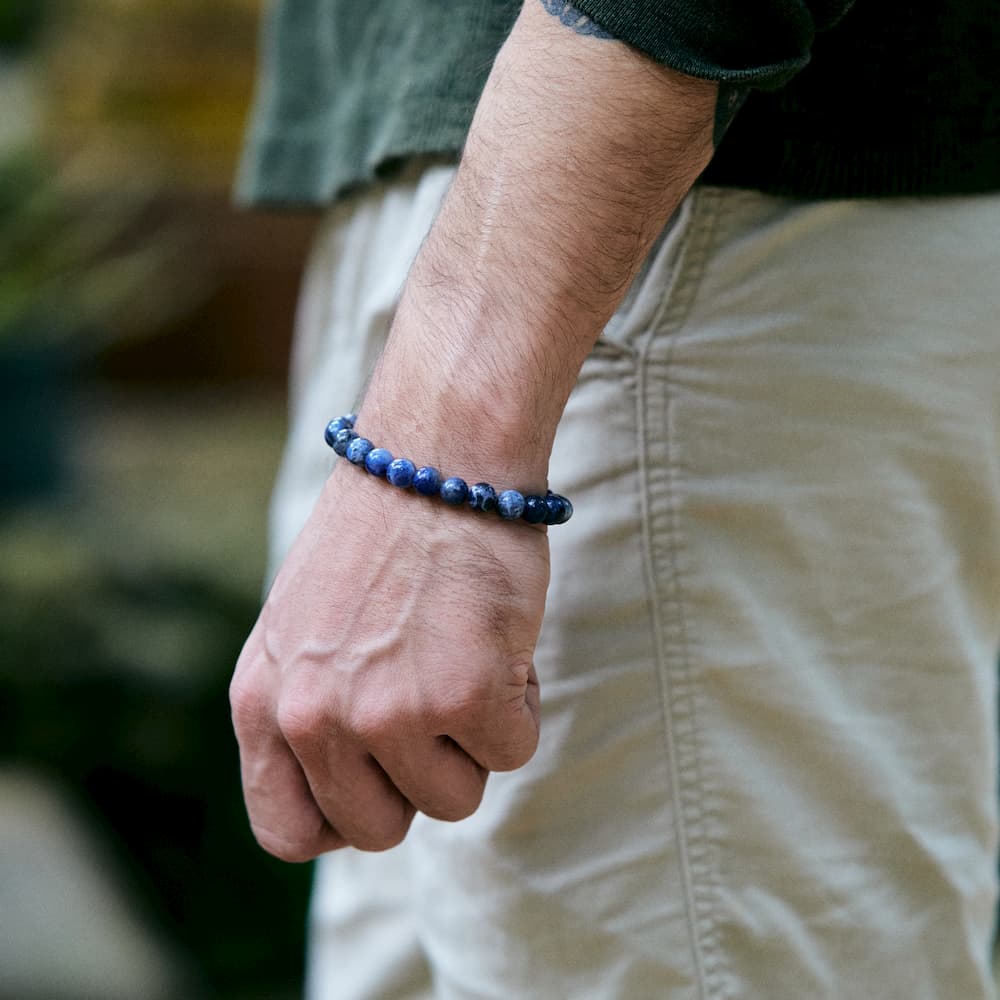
(509, 504)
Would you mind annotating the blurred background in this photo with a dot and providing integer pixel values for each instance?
(144, 328)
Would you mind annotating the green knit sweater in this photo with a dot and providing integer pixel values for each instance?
(889, 97)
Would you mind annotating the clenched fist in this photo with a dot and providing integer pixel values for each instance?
(390, 669)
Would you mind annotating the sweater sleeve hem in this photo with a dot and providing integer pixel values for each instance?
(760, 45)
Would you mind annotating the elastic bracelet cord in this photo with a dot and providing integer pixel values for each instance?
(511, 505)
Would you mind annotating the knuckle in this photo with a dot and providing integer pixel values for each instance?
(300, 719)
(375, 722)
(520, 670)
(250, 706)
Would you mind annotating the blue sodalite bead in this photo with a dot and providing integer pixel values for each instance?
(567, 508)
(401, 472)
(341, 436)
(427, 481)
(335, 426)
(483, 497)
(510, 505)
(454, 491)
(377, 461)
(535, 509)
(357, 450)
(342, 439)
(559, 509)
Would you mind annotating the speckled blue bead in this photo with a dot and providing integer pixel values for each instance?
(401, 472)
(341, 436)
(331, 431)
(454, 491)
(335, 426)
(377, 461)
(535, 509)
(567, 508)
(427, 481)
(342, 439)
(510, 505)
(357, 450)
(482, 497)
(560, 510)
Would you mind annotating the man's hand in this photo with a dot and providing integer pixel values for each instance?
(391, 667)
(390, 670)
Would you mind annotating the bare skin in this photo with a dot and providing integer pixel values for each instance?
(391, 667)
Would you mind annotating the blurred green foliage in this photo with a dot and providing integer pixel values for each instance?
(130, 562)
(124, 602)
(20, 23)
(72, 263)
(149, 750)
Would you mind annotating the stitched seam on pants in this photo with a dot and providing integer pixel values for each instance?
(673, 667)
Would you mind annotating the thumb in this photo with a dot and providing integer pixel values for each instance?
(507, 737)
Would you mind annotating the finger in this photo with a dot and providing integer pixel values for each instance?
(360, 800)
(437, 777)
(284, 816)
(347, 784)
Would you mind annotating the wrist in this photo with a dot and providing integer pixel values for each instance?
(462, 425)
(400, 471)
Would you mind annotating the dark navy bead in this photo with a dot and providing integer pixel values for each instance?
(559, 509)
(454, 491)
(535, 509)
(342, 439)
(357, 450)
(427, 481)
(350, 419)
(510, 505)
(567, 509)
(483, 497)
(401, 472)
(377, 461)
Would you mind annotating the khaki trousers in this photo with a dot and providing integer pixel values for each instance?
(768, 666)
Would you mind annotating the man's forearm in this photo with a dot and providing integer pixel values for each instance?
(392, 667)
(579, 152)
